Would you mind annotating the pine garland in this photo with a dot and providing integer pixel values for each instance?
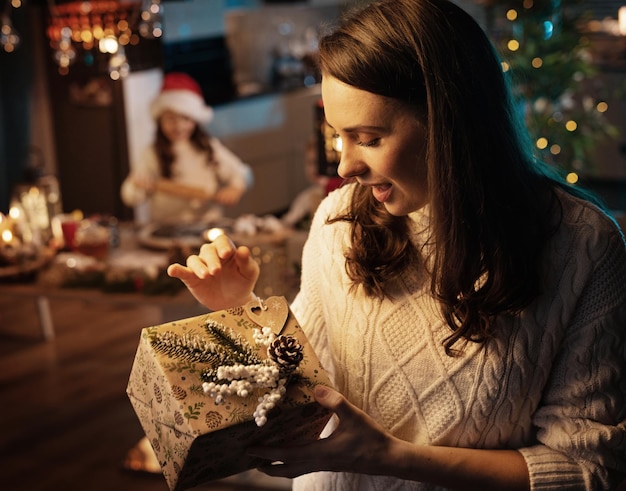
(188, 347)
(238, 350)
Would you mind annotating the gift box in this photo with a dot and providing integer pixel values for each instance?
(208, 387)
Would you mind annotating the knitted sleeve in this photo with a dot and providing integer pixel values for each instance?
(146, 167)
(581, 423)
(231, 170)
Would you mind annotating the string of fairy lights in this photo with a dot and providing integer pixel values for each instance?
(9, 37)
(90, 27)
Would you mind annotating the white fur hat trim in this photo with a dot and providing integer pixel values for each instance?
(184, 102)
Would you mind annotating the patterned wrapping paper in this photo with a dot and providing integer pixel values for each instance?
(196, 439)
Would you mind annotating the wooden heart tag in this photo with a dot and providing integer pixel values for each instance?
(271, 312)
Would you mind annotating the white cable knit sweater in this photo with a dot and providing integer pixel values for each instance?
(552, 384)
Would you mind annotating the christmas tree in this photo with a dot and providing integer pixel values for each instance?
(554, 79)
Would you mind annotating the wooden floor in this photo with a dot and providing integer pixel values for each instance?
(65, 420)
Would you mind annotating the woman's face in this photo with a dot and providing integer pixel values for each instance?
(176, 127)
(383, 145)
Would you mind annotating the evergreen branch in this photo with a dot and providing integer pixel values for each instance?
(237, 348)
(188, 347)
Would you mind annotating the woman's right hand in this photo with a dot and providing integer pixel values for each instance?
(222, 275)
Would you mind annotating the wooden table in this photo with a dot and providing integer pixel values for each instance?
(182, 302)
(277, 253)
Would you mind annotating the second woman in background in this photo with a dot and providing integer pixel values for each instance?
(186, 174)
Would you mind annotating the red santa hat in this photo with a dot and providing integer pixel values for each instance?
(180, 93)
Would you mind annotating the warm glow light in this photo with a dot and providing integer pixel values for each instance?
(511, 14)
(537, 62)
(108, 44)
(7, 236)
(602, 107)
(86, 36)
(542, 143)
(621, 16)
(107, 25)
(555, 149)
(513, 45)
(571, 125)
(213, 233)
(14, 212)
(572, 178)
(337, 143)
(505, 66)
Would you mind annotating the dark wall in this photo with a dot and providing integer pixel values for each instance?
(16, 72)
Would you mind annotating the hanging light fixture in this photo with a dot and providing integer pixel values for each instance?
(101, 27)
(9, 37)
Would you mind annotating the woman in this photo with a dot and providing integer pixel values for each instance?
(186, 174)
(469, 305)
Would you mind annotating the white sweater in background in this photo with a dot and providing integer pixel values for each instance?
(552, 383)
(190, 167)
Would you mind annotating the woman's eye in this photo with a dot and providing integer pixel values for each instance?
(369, 143)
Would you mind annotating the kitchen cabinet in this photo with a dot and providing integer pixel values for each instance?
(270, 132)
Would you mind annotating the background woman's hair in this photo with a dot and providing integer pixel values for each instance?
(200, 139)
(490, 198)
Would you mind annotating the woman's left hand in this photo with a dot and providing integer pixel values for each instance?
(358, 444)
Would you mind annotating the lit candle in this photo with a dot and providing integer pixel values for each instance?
(622, 20)
(9, 246)
(8, 237)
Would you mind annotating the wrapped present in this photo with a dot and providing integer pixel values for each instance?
(208, 387)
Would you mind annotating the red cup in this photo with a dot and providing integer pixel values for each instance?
(69, 226)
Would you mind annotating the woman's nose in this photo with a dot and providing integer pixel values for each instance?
(349, 165)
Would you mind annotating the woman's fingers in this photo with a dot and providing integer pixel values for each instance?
(220, 275)
(357, 444)
(248, 267)
(330, 399)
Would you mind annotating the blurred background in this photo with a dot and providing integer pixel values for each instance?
(76, 81)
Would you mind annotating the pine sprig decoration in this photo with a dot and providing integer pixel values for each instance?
(236, 348)
(189, 347)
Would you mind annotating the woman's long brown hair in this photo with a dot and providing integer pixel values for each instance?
(490, 198)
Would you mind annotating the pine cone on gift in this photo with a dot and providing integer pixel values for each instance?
(286, 352)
